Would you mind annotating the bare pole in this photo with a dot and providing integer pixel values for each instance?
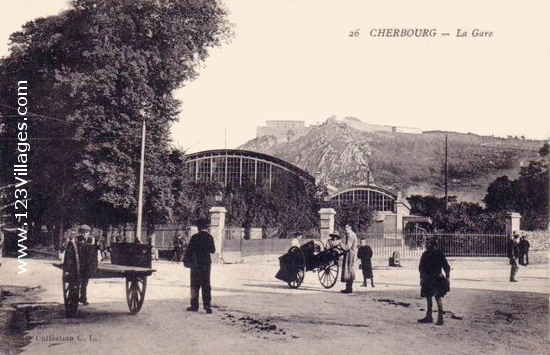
(140, 194)
(446, 181)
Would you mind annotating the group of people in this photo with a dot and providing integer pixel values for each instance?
(348, 243)
(197, 256)
(435, 272)
(180, 245)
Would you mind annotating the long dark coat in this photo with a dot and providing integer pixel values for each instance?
(364, 253)
(432, 281)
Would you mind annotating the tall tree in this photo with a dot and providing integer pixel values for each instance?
(528, 194)
(96, 72)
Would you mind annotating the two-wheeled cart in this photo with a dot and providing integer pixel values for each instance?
(131, 261)
(312, 256)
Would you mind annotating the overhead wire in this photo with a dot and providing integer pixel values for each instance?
(31, 114)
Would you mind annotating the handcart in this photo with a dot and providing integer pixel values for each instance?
(131, 261)
(311, 256)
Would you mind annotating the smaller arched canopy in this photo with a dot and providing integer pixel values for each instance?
(375, 197)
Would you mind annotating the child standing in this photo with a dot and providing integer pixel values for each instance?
(364, 253)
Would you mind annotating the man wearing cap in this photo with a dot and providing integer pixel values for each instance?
(513, 253)
(88, 260)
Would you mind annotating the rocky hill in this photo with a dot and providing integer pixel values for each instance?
(412, 163)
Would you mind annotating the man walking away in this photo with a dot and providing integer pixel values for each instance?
(197, 258)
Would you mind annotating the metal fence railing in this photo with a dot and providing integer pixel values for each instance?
(384, 244)
(451, 244)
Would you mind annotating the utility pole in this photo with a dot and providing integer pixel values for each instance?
(446, 180)
(140, 195)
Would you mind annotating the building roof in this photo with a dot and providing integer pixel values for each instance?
(255, 155)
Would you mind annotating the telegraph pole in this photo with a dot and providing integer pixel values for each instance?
(140, 194)
(446, 180)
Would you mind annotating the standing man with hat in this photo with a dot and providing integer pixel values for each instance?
(349, 244)
(197, 258)
(88, 259)
(513, 254)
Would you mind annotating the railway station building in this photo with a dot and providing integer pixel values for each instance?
(238, 167)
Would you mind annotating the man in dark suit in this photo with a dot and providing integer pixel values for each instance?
(524, 251)
(513, 254)
(88, 259)
(197, 258)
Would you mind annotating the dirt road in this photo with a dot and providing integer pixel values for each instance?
(254, 313)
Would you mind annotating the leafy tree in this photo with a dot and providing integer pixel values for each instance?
(289, 205)
(426, 205)
(528, 194)
(357, 213)
(459, 217)
(499, 193)
(96, 72)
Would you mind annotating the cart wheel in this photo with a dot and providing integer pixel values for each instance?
(135, 292)
(298, 267)
(328, 275)
(71, 284)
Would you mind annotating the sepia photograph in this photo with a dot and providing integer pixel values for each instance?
(274, 177)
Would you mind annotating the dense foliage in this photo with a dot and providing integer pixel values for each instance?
(95, 73)
(358, 214)
(527, 195)
(289, 206)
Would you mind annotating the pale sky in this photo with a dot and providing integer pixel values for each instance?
(294, 60)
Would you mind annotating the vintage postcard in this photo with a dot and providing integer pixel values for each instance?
(274, 177)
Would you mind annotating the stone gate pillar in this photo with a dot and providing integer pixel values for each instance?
(402, 209)
(190, 231)
(217, 226)
(327, 222)
(512, 222)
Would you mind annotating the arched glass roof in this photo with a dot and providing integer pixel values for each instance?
(375, 197)
(231, 166)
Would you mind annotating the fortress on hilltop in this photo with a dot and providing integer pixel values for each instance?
(288, 131)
